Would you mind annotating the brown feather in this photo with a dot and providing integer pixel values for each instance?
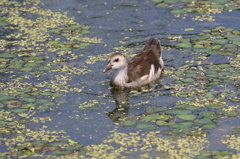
(140, 65)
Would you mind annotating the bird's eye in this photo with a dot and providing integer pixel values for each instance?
(116, 60)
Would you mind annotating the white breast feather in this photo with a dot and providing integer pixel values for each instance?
(120, 78)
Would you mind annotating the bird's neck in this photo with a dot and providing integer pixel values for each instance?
(120, 77)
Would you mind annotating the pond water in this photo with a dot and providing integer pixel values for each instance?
(56, 102)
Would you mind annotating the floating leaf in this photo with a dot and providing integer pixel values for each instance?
(231, 8)
(13, 103)
(178, 111)
(74, 26)
(236, 43)
(184, 45)
(203, 121)
(85, 44)
(191, 75)
(40, 142)
(213, 83)
(2, 97)
(177, 11)
(209, 125)
(172, 1)
(1, 105)
(188, 80)
(26, 69)
(3, 123)
(56, 31)
(44, 68)
(146, 126)
(74, 147)
(164, 117)
(215, 47)
(129, 122)
(7, 55)
(12, 123)
(15, 63)
(26, 106)
(150, 117)
(189, 107)
(164, 123)
(57, 152)
(30, 64)
(230, 113)
(85, 31)
(157, 1)
(3, 23)
(186, 116)
(163, 5)
(28, 99)
(18, 110)
(214, 106)
(45, 93)
(42, 108)
(208, 114)
(178, 72)
(59, 143)
(220, 41)
(216, 6)
(221, 1)
(43, 101)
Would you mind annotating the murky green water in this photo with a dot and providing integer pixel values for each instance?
(56, 102)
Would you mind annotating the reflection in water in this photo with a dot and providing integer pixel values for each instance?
(122, 105)
(121, 97)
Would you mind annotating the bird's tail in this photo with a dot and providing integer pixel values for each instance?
(152, 41)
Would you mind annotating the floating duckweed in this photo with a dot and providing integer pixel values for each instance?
(232, 142)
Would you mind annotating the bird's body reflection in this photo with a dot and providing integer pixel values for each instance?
(122, 104)
(121, 97)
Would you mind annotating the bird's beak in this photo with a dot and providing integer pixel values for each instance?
(108, 67)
